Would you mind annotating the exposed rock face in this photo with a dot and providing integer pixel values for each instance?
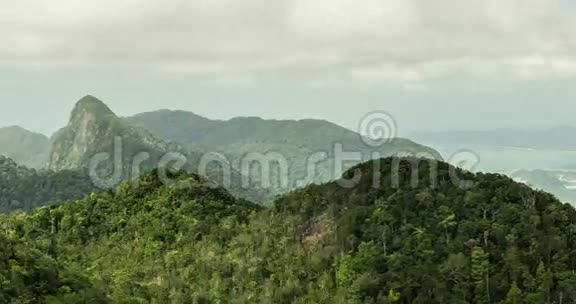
(94, 129)
(26, 147)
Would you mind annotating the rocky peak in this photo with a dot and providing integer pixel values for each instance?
(92, 126)
(90, 107)
(95, 129)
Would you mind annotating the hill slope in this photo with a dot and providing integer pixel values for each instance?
(25, 147)
(95, 250)
(494, 241)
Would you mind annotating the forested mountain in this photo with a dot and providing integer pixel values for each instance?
(246, 133)
(137, 244)
(385, 240)
(297, 142)
(22, 188)
(122, 148)
(25, 147)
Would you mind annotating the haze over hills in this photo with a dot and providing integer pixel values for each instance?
(26, 147)
(537, 157)
(285, 171)
(561, 183)
(262, 157)
(94, 129)
(405, 231)
(296, 141)
(559, 138)
(22, 188)
(495, 241)
(196, 131)
(112, 150)
(94, 152)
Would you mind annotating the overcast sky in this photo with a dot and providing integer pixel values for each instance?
(442, 64)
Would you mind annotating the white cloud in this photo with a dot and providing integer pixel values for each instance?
(344, 18)
(517, 14)
(402, 41)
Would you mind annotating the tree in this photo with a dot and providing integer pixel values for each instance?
(514, 295)
(479, 272)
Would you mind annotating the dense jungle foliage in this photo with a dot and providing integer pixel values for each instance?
(390, 231)
(22, 188)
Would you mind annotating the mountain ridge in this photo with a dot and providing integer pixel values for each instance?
(165, 117)
(295, 142)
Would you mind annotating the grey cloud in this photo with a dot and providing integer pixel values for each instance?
(377, 40)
